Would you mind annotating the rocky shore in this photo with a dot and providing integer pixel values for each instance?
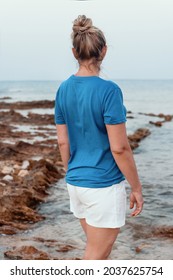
(28, 167)
(165, 118)
(30, 164)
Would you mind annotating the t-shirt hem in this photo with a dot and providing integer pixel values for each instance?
(90, 185)
(59, 122)
(115, 122)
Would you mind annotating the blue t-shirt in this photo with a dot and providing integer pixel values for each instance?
(85, 105)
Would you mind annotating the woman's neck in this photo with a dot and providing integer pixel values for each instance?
(88, 69)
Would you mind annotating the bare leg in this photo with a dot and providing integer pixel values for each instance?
(84, 225)
(99, 242)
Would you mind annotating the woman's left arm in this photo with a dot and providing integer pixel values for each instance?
(63, 143)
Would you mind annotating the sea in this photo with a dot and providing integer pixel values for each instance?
(154, 160)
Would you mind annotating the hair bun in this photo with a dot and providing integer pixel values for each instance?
(82, 24)
(88, 41)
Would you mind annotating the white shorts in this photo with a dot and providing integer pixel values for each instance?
(101, 207)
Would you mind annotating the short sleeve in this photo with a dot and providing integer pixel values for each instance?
(114, 112)
(59, 118)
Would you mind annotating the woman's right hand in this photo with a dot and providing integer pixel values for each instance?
(136, 200)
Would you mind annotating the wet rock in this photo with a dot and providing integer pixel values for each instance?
(12, 117)
(27, 105)
(23, 146)
(10, 133)
(65, 248)
(23, 150)
(133, 145)
(7, 178)
(8, 230)
(31, 253)
(14, 226)
(47, 142)
(164, 231)
(5, 129)
(148, 114)
(156, 123)
(140, 134)
(8, 152)
(16, 166)
(25, 164)
(139, 248)
(26, 253)
(137, 136)
(54, 243)
(17, 205)
(7, 170)
(23, 173)
(41, 119)
(34, 119)
(21, 198)
(166, 118)
(42, 240)
(24, 213)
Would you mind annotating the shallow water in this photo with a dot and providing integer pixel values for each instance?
(60, 225)
(154, 159)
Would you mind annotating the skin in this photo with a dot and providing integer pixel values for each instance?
(100, 240)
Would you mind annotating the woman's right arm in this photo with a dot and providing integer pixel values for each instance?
(123, 156)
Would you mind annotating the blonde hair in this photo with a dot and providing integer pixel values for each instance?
(88, 40)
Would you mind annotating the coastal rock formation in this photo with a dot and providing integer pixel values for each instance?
(27, 105)
(39, 250)
(27, 253)
(142, 246)
(21, 151)
(165, 232)
(137, 136)
(24, 181)
(166, 118)
(158, 123)
(17, 160)
(20, 196)
(31, 253)
(14, 117)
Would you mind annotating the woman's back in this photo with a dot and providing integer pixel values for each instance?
(85, 105)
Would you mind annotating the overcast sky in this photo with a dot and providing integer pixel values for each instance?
(35, 39)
